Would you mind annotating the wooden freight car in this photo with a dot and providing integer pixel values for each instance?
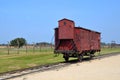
(74, 41)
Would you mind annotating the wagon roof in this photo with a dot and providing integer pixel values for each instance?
(66, 19)
(56, 28)
(87, 29)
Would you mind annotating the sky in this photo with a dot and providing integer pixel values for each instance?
(35, 20)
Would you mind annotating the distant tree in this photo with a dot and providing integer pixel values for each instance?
(43, 44)
(113, 44)
(103, 44)
(3, 44)
(18, 42)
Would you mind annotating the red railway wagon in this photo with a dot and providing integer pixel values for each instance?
(74, 41)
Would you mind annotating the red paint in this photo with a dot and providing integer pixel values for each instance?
(78, 39)
(66, 29)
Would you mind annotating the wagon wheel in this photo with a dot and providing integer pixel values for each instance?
(91, 55)
(66, 57)
(80, 57)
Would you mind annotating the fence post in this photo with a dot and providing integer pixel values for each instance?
(8, 48)
(26, 47)
(18, 47)
(33, 47)
(40, 47)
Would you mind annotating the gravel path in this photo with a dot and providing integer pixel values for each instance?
(98, 69)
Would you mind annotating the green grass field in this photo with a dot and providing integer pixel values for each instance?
(15, 61)
(108, 50)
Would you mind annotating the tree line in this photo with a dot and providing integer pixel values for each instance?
(112, 44)
(20, 42)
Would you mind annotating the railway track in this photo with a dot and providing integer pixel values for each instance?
(17, 73)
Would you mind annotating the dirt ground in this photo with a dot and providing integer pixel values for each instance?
(99, 69)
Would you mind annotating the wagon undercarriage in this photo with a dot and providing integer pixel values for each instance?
(79, 55)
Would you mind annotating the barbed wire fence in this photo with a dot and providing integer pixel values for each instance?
(26, 49)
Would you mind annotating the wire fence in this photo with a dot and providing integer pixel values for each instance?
(26, 49)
